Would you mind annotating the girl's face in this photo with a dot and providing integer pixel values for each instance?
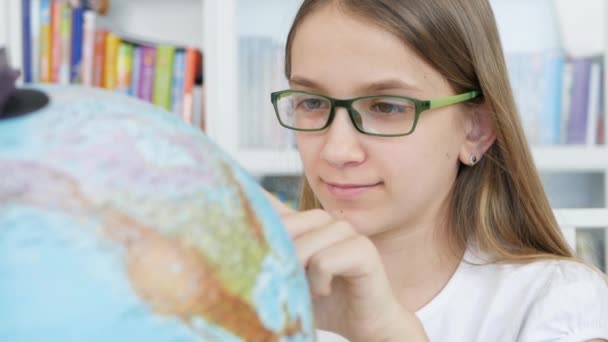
(376, 183)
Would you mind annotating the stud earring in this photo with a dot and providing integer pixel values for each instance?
(473, 159)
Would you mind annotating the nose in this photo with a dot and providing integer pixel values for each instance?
(342, 147)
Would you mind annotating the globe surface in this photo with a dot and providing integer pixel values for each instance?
(118, 222)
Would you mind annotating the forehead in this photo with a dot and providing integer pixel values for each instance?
(340, 51)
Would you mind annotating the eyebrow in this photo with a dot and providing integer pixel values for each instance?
(386, 84)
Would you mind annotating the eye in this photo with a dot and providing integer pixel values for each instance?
(310, 104)
(388, 107)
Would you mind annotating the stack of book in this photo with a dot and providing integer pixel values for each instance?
(261, 71)
(69, 44)
(559, 97)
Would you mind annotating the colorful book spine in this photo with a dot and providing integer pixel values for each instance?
(35, 40)
(163, 75)
(26, 37)
(601, 125)
(593, 110)
(66, 44)
(77, 45)
(99, 57)
(177, 92)
(124, 68)
(56, 15)
(110, 80)
(146, 77)
(135, 71)
(45, 41)
(566, 90)
(193, 62)
(88, 47)
(579, 101)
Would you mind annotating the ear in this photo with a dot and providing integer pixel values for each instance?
(480, 134)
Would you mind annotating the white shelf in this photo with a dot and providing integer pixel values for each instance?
(549, 158)
(582, 218)
(267, 162)
(571, 158)
(571, 219)
(178, 22)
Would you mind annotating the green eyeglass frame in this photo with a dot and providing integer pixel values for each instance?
(420, 106)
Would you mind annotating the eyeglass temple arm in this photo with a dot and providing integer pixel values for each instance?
(446, 101)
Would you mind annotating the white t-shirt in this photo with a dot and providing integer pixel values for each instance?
(539, 301)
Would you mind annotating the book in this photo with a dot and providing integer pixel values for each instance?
(537, 83)
(601, 125)
(177, 84)
(135, 70)
(124, 68)
(99, 53)
(193, 65)
(26, 37)
(77, 43)
(111, 60)
(579, 100)
(88, 47)
(56, 18)
(566, 90)
(593, 112)
(146, 76)
(163, 75)
(66, 45)
(45, 41)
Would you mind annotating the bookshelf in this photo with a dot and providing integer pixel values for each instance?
(217, 26)
(144, 40)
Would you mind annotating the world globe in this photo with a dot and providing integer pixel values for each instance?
(119, 222)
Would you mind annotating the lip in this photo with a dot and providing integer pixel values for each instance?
(349, 191)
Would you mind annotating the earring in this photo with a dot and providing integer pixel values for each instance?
(473, 159)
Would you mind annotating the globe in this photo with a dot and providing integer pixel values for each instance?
(119, 222)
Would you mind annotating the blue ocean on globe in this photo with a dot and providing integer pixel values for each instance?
(119, 222)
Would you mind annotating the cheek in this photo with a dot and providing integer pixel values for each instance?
(308, 150)
(425, 165)
(403, 167)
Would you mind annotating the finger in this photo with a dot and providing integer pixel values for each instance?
(299, 223)
(279, 206)
(354, 259)
(319, 283)
(311, 242)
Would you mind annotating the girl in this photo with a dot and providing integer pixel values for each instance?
(423, 220)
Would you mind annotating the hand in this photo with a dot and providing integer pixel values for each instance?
(351, 292)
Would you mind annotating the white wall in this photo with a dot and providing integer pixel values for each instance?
(260, 19)
(176, 21)
(10, 21)
(528, 25)
(3, 23)
(584, 25)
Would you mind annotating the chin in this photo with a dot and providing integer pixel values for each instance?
(359, 218)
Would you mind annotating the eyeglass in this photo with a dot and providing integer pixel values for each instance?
(380, 115)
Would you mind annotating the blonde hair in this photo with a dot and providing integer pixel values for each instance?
(500, 204)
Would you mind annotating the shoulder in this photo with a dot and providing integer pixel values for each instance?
(571, 303)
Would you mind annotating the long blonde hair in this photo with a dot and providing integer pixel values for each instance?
(499, 204)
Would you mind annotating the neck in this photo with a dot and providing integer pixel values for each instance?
(418, 261)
